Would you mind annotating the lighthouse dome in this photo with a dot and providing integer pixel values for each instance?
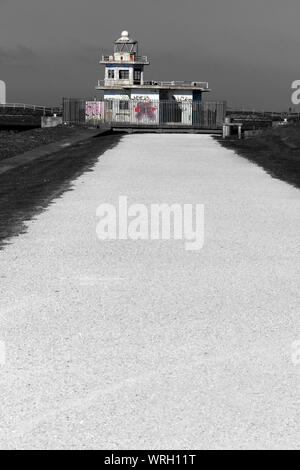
(125, 39)
(124, 36)
(126, 44)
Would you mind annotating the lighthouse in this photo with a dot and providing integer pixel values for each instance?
(128, 97)
(125, 67)
(124, 76)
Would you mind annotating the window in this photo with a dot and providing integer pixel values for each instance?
(124, 74)
(137, 77)
(111, 74)
(124, 105)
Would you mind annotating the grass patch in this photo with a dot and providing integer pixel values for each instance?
(14, 143)
(277, 150)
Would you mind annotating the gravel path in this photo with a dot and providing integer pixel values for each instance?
(125, 345)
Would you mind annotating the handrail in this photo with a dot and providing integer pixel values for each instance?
(203, 85)
(138, 58)
(30, 106)
(178, 83)
(245, 110)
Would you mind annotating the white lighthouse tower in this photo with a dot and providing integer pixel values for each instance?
(124, 69)
(124, 76)
(129, 98)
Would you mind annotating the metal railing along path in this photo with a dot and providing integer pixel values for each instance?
(53, 110)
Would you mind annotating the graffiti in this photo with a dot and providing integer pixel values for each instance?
(94, 110)
(143, 98)
(183, 99)
(145, 109)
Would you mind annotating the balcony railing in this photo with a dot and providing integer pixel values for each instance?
(140, 58)
(202, 85)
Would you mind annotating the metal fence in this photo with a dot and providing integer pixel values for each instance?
(145, 113)
(244, 111)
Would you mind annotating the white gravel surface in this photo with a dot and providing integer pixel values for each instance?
(143, 345)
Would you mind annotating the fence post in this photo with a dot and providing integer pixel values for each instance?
(240, 132)
(226, 127)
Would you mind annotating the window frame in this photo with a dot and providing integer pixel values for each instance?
(125, 72)
(109, 104)
(124, 105)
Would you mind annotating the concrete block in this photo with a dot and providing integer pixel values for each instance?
(51, 121)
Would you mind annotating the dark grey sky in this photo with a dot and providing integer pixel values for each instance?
(248, 50)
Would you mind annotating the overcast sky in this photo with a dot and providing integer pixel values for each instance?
(248, 50)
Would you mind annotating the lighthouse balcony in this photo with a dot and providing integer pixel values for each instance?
(111, 83)
(126, 59)
(178, 85)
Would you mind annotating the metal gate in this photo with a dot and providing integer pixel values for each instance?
(145, 113)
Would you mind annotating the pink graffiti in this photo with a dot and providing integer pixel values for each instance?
(94, 109)
(145, 109)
